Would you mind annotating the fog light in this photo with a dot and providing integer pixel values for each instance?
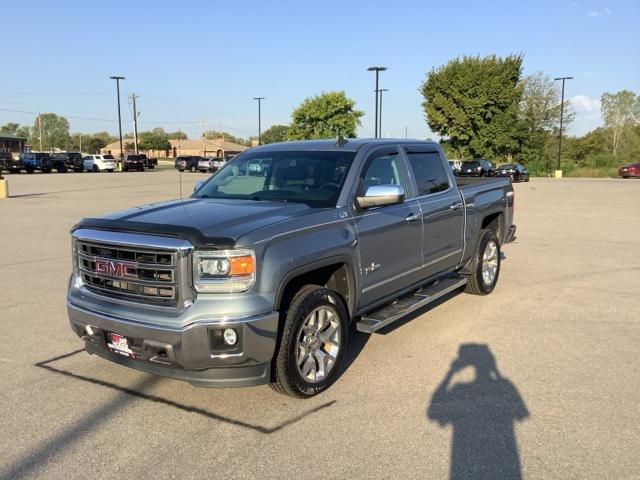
(230, 336)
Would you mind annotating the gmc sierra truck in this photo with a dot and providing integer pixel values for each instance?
(257, 278)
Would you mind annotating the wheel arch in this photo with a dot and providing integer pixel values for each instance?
(336, 273)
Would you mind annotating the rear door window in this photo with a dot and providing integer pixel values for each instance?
(428, 171)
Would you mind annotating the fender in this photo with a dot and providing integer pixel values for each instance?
(308, 267)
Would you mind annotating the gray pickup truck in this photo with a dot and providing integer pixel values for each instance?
(258, 278)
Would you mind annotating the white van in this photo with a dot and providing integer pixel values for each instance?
(98, 163)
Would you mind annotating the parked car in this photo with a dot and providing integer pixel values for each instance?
(259, 166)
(479, 167)
(191, 163)
(99, 163)
(41, 161)
(71, 161)
(256, 279)
(630, 170)
(455, 165)
(133, 162)
(216, 163)
(8, 163)
(149, 163)
(515, 171)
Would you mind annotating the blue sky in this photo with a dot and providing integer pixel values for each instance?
(206, 60)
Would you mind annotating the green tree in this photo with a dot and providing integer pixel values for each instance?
(156, 139)
(539, 119)
(275, 133)
(474, 102)
(10, 127)
(178, 135)
(328, 115)
(620, 111)
(23, 132)
(54, 130)
(214, 135)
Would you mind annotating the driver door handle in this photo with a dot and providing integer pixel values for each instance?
(414, 217)
(455, 206)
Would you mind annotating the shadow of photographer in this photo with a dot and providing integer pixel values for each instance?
(482, 413)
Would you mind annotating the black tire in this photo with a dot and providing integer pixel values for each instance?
(95, 169)
(30, 170)
(141, 169)
(181, 170)
(475, 282)
(288, 379)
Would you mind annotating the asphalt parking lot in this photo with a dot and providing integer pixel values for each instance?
(563, 326)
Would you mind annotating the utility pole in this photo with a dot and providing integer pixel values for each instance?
(561, 117)
(380, 121)
(259, 99)
(117, 79)
(377, 70)
(135, 121)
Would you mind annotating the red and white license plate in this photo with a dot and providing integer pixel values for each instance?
(119, 344)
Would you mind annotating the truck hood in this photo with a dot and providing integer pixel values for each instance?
(204, 222)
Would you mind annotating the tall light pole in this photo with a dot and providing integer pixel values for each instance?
(377, 70)
(259, 99)
(561, 117)
(117, 79)
(380, 121)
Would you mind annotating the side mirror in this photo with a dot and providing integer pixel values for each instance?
(198, 184)
(380, 195)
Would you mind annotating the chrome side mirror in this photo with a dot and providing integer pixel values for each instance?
(380, 195)
(198, 184)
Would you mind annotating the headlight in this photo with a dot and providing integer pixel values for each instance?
(224, 271)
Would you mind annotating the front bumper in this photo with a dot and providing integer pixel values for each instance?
(185, 353)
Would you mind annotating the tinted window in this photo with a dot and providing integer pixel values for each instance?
(310, 177)
(430, 174)
(381, 169)
(471, 164)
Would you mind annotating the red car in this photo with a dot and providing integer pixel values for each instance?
(630, 170)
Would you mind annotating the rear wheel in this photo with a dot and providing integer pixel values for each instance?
(95, 169)
(486, 264)
(313, 343)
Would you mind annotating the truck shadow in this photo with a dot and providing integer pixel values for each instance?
(482, 414)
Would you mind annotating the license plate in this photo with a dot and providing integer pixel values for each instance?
(119, 344)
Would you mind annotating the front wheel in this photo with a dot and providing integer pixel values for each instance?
(313, 343)
(486, 264)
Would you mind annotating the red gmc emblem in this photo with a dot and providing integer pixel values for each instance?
(115, 268)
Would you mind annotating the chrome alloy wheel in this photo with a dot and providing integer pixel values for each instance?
(318, 344)
(489, 263)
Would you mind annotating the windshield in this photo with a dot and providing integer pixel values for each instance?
(314, 178)
(473, 164)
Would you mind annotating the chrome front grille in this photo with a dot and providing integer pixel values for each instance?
(130, 273)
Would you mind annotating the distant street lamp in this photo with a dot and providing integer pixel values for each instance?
(117, 79)
(380, 121)
(259, 99)
(377, 70)
(561, 117)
